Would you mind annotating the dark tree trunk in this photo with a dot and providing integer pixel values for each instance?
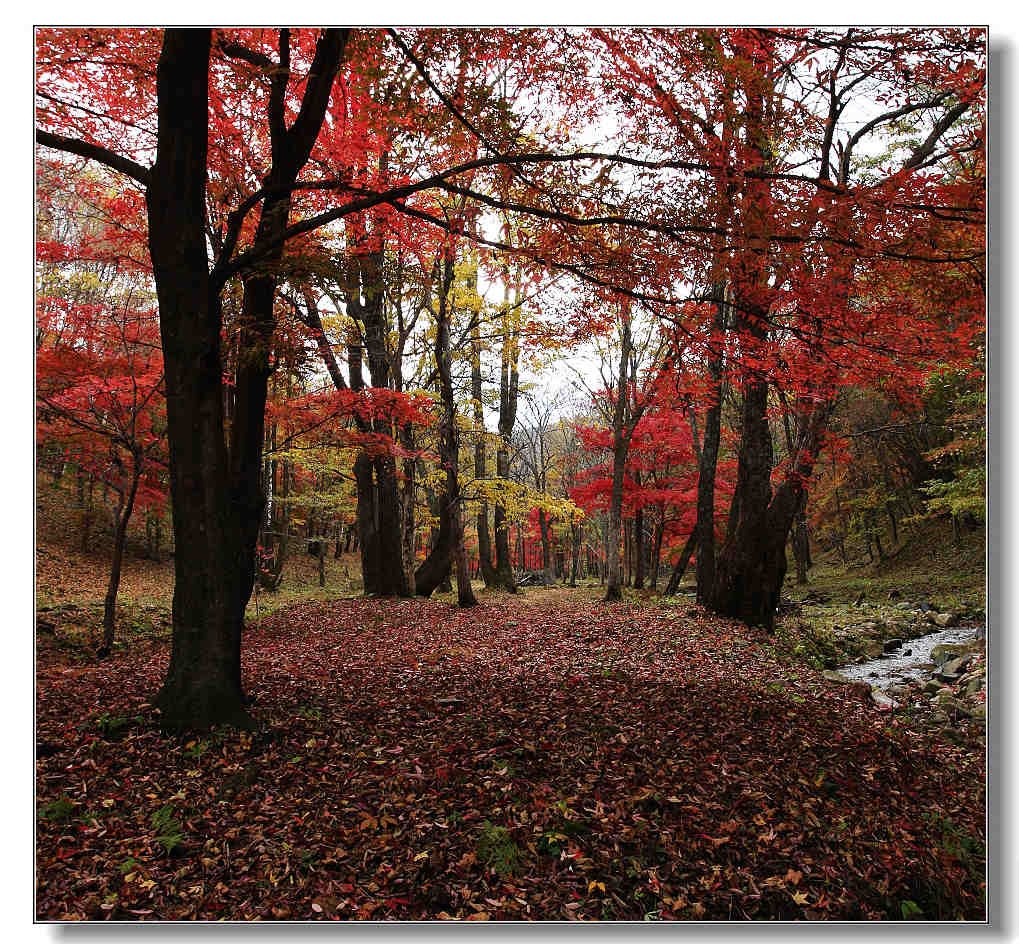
(216, 494)
(749, 572)
(408, 526)
(801, 545)
(509, 385)
(638, 549)
(290, 148)
(119, 539)
(203, 683)
(434, 569)
(676, 578)
(548, 577)
(503, 558)
(656, 554)
(449, 444)
(577, 535)
(485, 564)
(708, 463)
(753, 563)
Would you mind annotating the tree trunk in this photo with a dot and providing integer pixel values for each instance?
(638, 549)
(488, 571)
(753, 563)
(749, 573)
(682, 563)
(449, 452)
(620, 448)
(708, 461)
(119, 539)
(656, 555)
(434, 569)
(203, 682)
(547, 577)
(509, 386)
(801, 545)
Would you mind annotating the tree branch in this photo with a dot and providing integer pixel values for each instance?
(95, 152)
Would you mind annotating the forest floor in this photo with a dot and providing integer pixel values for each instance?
(544, 756)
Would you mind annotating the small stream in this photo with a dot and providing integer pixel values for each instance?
(912, 661)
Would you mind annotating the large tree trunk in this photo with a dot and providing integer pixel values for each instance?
(753, 562)
(217, 498)
(749, 574)
(203, 682)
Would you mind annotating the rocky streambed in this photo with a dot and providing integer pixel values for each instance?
(917, 660)
(907, 656)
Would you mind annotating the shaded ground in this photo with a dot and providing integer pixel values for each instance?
(538, 757)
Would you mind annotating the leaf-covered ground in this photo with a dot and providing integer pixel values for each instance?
(541, 757)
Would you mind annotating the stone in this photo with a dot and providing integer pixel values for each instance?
(932, 687)
(939, 717)
(872, 648)
(945, 620)
(957, 666)
(946, 651)
(892, 644)
(837, 677)
(883, 700)
(974, 685)
(904, 606)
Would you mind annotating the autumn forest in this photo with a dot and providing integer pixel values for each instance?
(510, 473)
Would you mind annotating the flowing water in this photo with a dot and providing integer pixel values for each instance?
(912, 661)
